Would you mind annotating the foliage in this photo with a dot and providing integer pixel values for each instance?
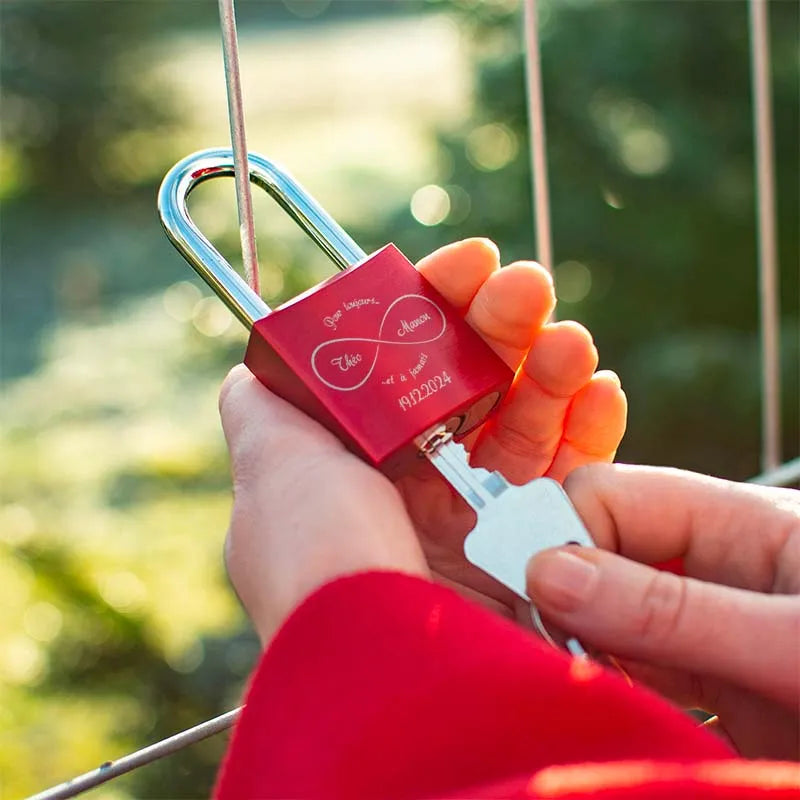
(69, 100)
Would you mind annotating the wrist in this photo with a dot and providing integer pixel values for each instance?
(275, 577)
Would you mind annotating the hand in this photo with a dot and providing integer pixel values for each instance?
(306, 511)
(726, 638)
(559, 413)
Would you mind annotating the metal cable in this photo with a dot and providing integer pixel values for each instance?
(767, 244)
(785, 475)
(537, 142)
(244, 198)
(147, 755)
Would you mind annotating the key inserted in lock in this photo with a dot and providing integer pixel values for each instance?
(376, 355)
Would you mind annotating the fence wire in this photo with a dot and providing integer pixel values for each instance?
(767, 237)
(147, 755)
(536, 138)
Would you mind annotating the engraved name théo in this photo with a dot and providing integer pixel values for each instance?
(346, 361)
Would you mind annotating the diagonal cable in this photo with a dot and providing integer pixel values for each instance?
(147, 755)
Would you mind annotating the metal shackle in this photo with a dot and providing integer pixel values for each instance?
(207, 261)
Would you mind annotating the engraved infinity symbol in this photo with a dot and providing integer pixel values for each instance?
(344, 357)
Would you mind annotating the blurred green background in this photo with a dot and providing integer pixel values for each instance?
(407, 121)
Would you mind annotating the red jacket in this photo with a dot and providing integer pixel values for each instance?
(385, 686)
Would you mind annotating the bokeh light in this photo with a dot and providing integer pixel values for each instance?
(491, 147)
(573, 281)
(460, 204)
(307, 9)
(42, 621)
(634, 131)
(123, 590)
(272, 278)
(186, 659)
(12, 171)
(210, 317)
(17, 524)
(430, 205)
(645, 151)
(180, 299)
(613, 199)
(22, 660)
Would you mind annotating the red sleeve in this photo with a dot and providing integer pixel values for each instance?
(385, 686)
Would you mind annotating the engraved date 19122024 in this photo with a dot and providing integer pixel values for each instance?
(425, 390)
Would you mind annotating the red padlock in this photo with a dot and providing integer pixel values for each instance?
(374, 353)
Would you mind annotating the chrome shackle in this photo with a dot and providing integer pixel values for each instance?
(207, 261)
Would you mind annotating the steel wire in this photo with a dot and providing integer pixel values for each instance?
(244, 197)
(767, 237)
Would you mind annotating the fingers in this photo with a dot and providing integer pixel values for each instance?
(510, 308)
(725, 532)
(505, 306)
(594, 426)
(522, 438)
(638, 612)
(458, 270)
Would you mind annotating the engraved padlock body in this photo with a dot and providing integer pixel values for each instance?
(374, 353)
(381, 358)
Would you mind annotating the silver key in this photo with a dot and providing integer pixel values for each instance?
(514, 522)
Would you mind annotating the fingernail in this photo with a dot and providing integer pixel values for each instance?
(561, 581)
(609, 375)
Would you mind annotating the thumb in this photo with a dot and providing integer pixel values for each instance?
(636, 611)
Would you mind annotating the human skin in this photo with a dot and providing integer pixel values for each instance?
(306, 511)
(726, 636)
(560, 413)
